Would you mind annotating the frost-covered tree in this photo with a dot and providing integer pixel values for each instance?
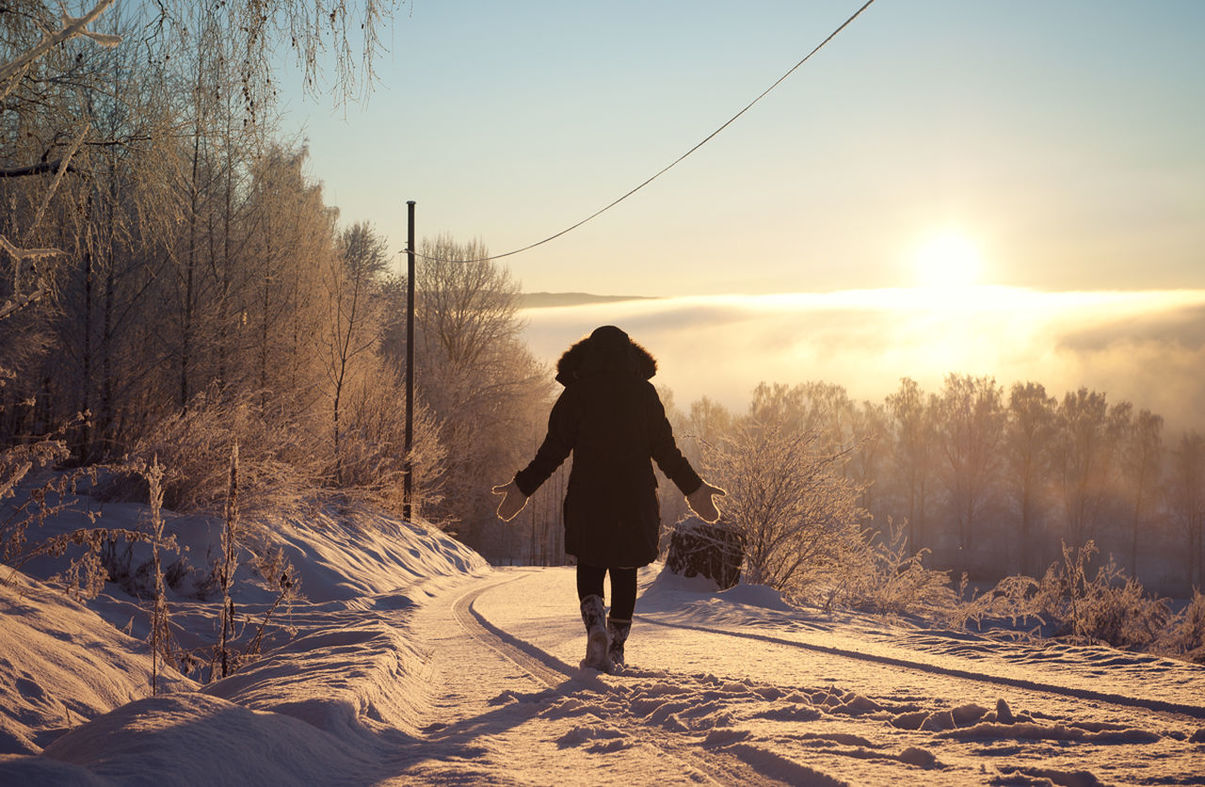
(1086, 460)
(1028, 436)
(481, 383)
(133, 160)
(1187, 497)
(970, 428)
(789, 497)
(913, 451)
(50, 62)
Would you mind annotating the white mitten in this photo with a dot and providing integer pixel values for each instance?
(701, 503)
(512, 502)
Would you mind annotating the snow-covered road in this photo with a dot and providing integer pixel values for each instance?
(737, 688)
(506, 712)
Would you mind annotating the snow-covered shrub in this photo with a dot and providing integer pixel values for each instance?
(16, 464)
(788, 498)
(32, 492)
(161, 632)
(372, 450)
(1014, 598)
(1184, 635)
(1105, 606)
(278, 466)
(887, 577)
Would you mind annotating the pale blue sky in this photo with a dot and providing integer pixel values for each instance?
(1065, 139)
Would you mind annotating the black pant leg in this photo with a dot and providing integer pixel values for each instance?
(623, 593)
(589, 581)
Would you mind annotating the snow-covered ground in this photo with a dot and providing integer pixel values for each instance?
(413, 662)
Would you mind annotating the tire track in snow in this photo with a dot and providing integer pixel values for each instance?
(715, 765)
(543, 666)
(1195, 711)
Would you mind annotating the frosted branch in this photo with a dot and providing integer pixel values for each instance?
(26, 254)
(72, 27)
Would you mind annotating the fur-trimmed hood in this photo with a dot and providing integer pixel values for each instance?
(608, 350)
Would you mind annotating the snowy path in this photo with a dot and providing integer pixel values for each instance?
(505, 712)
(755, 695)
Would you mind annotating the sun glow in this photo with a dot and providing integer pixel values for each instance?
(949, 261)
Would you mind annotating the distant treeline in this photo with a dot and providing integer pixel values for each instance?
(992, 481)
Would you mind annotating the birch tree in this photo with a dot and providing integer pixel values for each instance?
(353, 327)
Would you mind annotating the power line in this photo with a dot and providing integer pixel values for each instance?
(673, 163)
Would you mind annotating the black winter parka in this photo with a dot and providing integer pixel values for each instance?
(610, 417)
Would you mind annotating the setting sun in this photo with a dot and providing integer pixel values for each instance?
(948, 261)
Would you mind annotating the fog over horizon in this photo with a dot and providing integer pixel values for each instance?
(1145, 347)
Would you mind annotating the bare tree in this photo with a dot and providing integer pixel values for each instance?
(970, 427)
(871, 435)
(1029, 432)
(709, 421)
(353, 326)
(1187, 492)
(1085, 460)
(472, 370)
(1141, 458)
(831, 412)
(914, 432)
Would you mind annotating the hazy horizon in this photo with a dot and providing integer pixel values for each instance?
(1142, 346)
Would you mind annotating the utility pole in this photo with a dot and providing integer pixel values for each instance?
(408, 469)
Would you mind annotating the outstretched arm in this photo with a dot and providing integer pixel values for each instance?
(676, 466)
(665, 451)
(561, 437)
(556, 446)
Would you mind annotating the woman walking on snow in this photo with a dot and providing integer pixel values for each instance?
(610, 417)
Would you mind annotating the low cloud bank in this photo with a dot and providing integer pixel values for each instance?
(1147, 347)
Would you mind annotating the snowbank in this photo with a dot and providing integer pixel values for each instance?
(355, 682)
(339, 553)
(62, 665)
(349, 683)
(192, 738)
(352, 554)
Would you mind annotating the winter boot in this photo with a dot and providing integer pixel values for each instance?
(617, 630)
(594, 616)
